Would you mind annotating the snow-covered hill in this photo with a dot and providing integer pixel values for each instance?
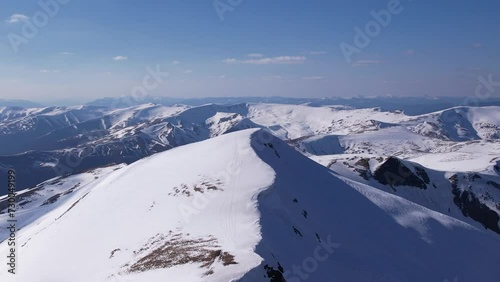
(53, 142)
(410, 105)
(242, 207)
(18, 103)
(470, 197)
(45, 140)
(35, 202)
(461, 124)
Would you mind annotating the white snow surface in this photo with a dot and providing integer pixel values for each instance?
(260, 201)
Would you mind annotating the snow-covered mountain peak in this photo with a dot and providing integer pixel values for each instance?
(245, 206)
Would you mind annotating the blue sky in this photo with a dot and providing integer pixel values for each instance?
(97, 48)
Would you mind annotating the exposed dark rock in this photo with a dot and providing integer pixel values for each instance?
(423, 174)
(476, 176)
(394, 173)
(297, 232)
(363, 173)
(270, 145)
(273, 274)
(51, 200)
(471, 207)
(494, 184)
(113, 252)
(165, 251)
(363, 162)
(201, 187)
(20, 198)
(454, 181)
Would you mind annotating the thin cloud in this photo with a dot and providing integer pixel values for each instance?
(316, 53)
(17, 18)
(255, 55)
(50, 71)
(282, 60)
(67, 53)
(188, 71)
(313, 78)
(230, 61)
(274, 78)
(120, 58)
(477, 45)
(365, 63)
(175, 62)
(409, 52)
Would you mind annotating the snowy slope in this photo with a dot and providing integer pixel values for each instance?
(461, 123)
(245, 207)
(409, 105)
(102, 136)
(33, 203)
(296, 121)
(114, 136)
(470, 197)
(466, 156)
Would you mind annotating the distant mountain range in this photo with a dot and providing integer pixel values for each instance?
(18, 103)
(45, 141)
(410, 105)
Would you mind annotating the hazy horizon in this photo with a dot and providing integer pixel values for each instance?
(69, 102)
(75, 51)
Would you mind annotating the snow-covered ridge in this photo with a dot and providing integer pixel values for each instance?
(34, 202)
(55, 134)
(246, 206)
(104, 136)
(471, 197)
